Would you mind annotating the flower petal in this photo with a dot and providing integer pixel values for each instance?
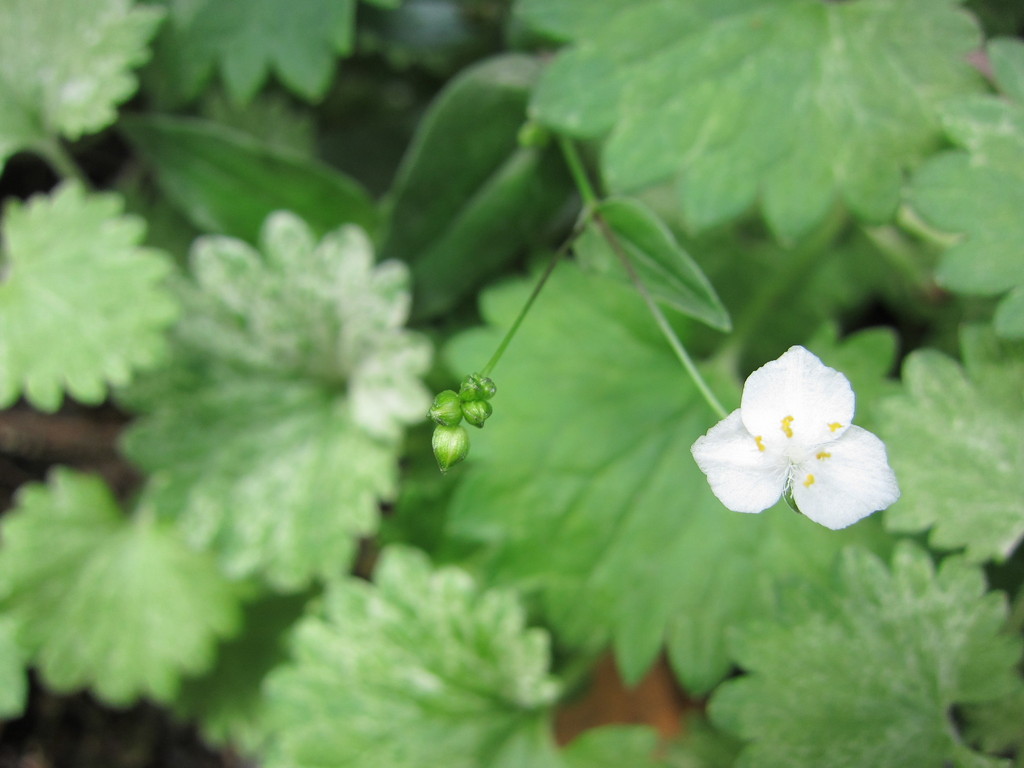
(797, 402)
(743, 477)
(848, 480)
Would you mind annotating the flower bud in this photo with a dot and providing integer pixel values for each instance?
(533, 134)
(476, 412)
(450, 444)
(477, 387)
(447, 409)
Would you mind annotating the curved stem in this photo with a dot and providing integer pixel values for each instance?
(578, 172)
(61, 161)
(510, 334)
(659, 317)
(591, 203)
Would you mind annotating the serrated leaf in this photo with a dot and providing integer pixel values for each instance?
(583, 489)
(978, 192)
(794, 102)
(13, 676)
(81, 304)
(419, 668)
(970, 490)
(226, 182)
(872, 680)
(275, 438)
(247, 40)
(667, 271)
(57, 80)
(458, 229)
(120, 605)
(1006, 55)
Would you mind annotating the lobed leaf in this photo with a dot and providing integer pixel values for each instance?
(82, 306)
(870, 678)
(65, 66)
(275, 436)
(99, 600)
(978, 192)
(247, 40)
(422, 667)
(969, 491)
(796, 103)
(583, 490)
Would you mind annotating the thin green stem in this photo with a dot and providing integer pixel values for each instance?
(61, 161)
(659, 317)
(529, 302)
(590, 204)
(578, 172)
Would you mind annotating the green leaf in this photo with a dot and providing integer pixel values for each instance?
(13, 677)
(1006, 55)
(872, 680)
(583, 490)
(247, 40)
(275, 437)
(795, 103)
(227, 183)
(614, 746)
(81, 304)
(970, 490)
(419, 668)
(228, 700)
(459, 229)
(978, 192)
(120, 605)
(65, 66)
(669, 273)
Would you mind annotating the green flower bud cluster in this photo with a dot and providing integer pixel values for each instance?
(471, 402)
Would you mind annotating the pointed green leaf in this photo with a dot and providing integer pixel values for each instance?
(81, 304)
(275, 437)
(970, 490)
(667, 271)
(583, 489)
(420, 668)
(247, 40)
(227, 182)
(65, 66)
(120, 605)
(458, 229)
(13, 676)
(978, 192)
(873, 679)
(798, 103)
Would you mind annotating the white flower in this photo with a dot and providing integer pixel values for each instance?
(792, 433)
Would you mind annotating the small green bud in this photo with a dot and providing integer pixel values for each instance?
(477, 387)
(451, 445)
(477, 412)
(447, 409)
(533, 134)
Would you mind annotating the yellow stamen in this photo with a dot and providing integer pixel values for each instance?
(785, 426)
(834, 426)
(760, 442)
(823, 455)
(809, 481)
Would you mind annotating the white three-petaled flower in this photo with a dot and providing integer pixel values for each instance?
(792, 433)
